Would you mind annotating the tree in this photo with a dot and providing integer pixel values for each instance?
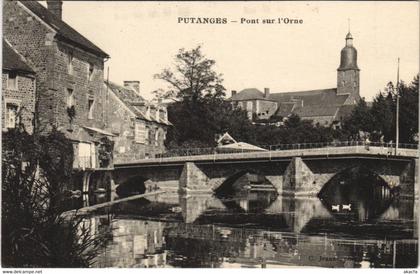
(193, 77)
(35, 173)
(380, 119)
(197, 124)
(200, 111)
(360, 120)
(409, 111)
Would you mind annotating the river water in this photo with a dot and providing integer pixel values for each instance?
(255, 229)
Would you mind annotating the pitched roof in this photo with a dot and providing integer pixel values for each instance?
(306, 104)
(248, 94)
(14, 61)
(64, 31)
(132, 101)
(325, 97)
(225, 138)
(315, 111)
(284, 109)
(345, 111)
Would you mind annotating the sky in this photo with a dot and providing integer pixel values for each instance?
(143, 38)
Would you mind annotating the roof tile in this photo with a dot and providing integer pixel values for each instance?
(64, 31)
(14, 61)
(128, 96)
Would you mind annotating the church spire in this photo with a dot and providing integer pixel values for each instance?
(349, 40)
(348, 72)
(348, 55)
(349, 37)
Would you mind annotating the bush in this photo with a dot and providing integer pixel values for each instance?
(36, 170)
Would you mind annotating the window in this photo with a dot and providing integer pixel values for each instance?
(12, 80)
(165, 114)
(91, 102)
(11, 115)
(70, 98)
(148, 112)
(141, 133)
(249, 105)
(157, 114)
(86, 155)
(156, 137)
(150, 137)
(70, 62)
(90, 72)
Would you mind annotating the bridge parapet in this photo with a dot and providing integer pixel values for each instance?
(390, 148)
(326, 152)
(296, 172)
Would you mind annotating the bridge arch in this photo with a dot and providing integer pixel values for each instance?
(243, 180)
(358, 192)
(132, 185)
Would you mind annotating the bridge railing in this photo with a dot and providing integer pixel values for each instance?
(388, 148)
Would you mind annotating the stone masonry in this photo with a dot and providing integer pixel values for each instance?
(49, 57)
(24, 97)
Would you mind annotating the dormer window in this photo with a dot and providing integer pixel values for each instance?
(157, 114)
(148, 112)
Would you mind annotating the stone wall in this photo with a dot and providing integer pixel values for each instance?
(348, 82)
(36, 41)
(121, 123)
(298, 177)
(23, 97)
(83, 86)
(33, 40)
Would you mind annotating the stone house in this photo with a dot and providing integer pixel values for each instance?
(324, 106)
(18, 90)
(139, 125)
(69, 77)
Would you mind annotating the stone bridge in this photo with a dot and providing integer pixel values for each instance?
(300, 172)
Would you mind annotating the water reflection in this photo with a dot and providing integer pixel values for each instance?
(134, 243)
(145, 243)
(357, 221)
(169, 230)
(357, 194)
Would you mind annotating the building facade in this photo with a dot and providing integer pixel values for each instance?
(324, 107)
(139, 125)
(18, 91)
(69, 75)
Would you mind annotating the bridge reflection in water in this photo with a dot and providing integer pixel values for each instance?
(261, 229)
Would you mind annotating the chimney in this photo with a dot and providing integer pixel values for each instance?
(233, 92)
(55, 7)
(266, 92)
(134, 85)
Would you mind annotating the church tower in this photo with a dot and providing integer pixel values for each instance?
(348, 72)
